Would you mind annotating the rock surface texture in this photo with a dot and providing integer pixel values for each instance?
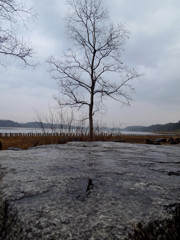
(95, 191)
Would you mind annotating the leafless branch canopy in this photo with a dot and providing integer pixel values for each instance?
(11, 13)
(93, 70)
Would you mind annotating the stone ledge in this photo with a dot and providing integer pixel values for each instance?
(101, 191)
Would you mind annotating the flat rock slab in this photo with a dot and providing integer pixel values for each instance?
(93, 191)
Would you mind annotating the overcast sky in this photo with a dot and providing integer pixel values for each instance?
(153, 49)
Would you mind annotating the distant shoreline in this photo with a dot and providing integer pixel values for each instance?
(169, 127)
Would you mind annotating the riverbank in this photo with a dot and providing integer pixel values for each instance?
(25, 142)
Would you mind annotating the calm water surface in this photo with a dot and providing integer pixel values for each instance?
(39, 130)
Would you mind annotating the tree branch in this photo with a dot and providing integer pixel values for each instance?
(10, 12)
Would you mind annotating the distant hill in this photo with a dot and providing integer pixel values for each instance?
(169, 127)
(9, 123)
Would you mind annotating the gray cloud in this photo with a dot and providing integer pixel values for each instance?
(153, 48)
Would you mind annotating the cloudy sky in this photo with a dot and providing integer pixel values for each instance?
(153, 49)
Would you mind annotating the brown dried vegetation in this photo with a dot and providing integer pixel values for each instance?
(26, 142)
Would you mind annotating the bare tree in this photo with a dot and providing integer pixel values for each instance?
(93, 70)
(11, 12)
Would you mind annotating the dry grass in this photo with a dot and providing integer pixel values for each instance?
(26, 142)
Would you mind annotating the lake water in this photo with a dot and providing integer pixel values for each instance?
(39, 130)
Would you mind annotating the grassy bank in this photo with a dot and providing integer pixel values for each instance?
(26, 142)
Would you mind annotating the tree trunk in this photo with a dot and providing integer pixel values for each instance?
(91, 116)
(91, 123)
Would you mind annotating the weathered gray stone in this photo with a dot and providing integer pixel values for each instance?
(90, 191)
(160, 140)
(173, 141)
(117, 140)
(15, 149)
(150, 141)
(177, 140)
